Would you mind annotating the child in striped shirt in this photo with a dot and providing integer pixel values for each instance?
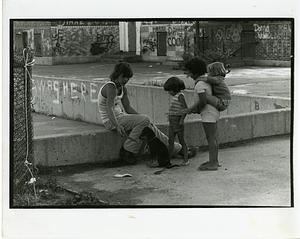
(174, 86)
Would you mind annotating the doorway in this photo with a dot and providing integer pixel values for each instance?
(248, 44)
(161, 43)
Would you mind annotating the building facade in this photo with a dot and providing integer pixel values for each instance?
(57, 42)
(245, 42)
(248, 42)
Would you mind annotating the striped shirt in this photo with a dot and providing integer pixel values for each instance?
(102, 104)
(175, 105)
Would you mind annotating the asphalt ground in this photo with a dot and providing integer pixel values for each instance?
(255, 173)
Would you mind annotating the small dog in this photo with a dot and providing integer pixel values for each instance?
(158, 150)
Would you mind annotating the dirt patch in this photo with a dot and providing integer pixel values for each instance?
(50, 194)
(124, 196)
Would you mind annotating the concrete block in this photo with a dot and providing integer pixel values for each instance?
(40, 152)
(108, 144)
(132, 95)
(281, 103)
(72, 150)
(288, 117)
(145, 101)
(67, 105)
(269, 123)
(45, 152)
(239, 105)
(73, 103)
(43, 60)
(91, 112)
(194, 134)
(78, 106)
(91, 146)
(161, 106)
(268, 103)
(235, 128)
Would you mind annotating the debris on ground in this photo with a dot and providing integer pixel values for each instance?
(122, 175)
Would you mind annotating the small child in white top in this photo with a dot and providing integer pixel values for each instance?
(174, 86)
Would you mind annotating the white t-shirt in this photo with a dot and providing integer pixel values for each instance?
(209, 114)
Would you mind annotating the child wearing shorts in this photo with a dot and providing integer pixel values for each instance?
(174, 86)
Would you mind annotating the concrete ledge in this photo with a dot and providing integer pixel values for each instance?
(57, 60)
(272, 63)
(102, 145)
(44, 60)
(76, 149)
(77, 100)
(234, 128)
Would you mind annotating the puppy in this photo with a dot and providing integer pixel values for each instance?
(158, 150)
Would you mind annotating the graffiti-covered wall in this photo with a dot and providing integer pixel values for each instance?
(220, 40)
(274, 41)
(214, 39)
(178, 39)
(84, 40)
(70, 38)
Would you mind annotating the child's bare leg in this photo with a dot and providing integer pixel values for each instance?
(211, 136)
(212, 100)
(184, 147)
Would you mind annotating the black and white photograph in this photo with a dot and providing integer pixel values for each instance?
(151, 114)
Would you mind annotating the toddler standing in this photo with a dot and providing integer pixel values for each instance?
(174, 86)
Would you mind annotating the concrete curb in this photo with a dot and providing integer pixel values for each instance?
(95, 147)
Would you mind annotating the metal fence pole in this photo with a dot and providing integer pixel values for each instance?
(22, 160)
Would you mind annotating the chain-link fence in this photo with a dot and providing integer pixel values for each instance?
(22, 155)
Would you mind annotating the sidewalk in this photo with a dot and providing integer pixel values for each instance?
(252, 174)
(273, 81)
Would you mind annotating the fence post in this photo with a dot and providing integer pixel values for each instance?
(22, 158)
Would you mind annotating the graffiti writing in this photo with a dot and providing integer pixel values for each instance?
(149, 44)
(159, 28)
(64, 89)
(176, 36)
(272, 31)
(103, 43)
(175, 41)
(57, 38)
(87, 23)
(232, 33)
(262, 31)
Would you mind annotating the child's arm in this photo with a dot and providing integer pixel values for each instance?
(181, 99)
(214, 80)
